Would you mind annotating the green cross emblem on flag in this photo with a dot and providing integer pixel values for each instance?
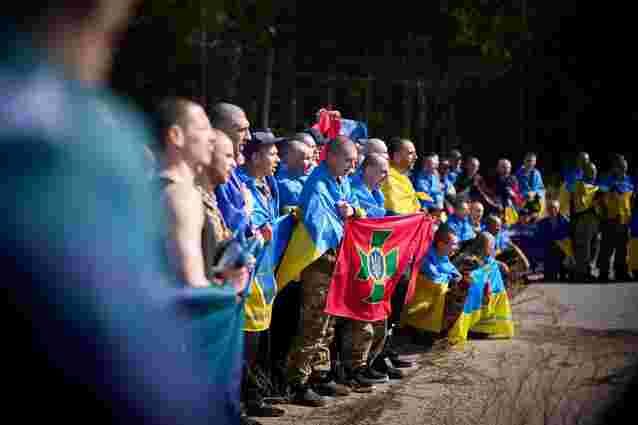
(377, 266)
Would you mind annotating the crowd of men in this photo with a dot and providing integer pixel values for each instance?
(88, 293)
(222, 181)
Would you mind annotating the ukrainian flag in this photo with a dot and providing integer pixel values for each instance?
(263, 286)
(492, 314)
(320, 227)
(400, 196)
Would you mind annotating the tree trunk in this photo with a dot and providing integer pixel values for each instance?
(270, 63)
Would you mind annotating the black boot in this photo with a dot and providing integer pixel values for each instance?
(303, 395)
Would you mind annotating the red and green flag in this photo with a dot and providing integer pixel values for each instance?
(374, 255)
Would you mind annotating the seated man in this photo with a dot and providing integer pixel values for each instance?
(476, 216)
(553, 233)
(471, 185)
(426, 311)
(459, 222)
(447, 183)
(507, 198)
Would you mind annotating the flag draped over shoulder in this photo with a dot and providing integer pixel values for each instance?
(487, 308)
(399, 193)
(372, 259)
(320, 227)
(263, 286)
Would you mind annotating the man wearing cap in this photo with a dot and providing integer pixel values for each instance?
(261, 158)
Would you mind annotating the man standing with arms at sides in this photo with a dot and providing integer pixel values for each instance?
(197, 159)
(325, 203)
(84, 291)
(232, 196)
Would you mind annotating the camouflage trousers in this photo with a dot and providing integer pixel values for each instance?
(310, 351)
(362, 342)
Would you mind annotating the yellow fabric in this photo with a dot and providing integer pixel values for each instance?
(257, 313)
(422, 196)
(584, 196)
(564, 198)
(633, 254)
(400, 196)
(496, 317)
(427, 308)
(511, 216)
(566, 246)
(618, 205)
(300, 253)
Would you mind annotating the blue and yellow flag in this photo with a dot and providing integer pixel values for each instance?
(487, 308)
(320, 227)
(263, 286)
(399, 193)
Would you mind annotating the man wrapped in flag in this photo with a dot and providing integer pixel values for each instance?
(425, 312)
(399, 193)
(479, 302)
(257, 175)
(586, 222)
(569, 184)
(325, 203)
(553, 233)
(617, 193)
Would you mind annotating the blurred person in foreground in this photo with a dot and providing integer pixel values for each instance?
(86, 293)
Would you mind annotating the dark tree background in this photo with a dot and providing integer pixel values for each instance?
(496, 78)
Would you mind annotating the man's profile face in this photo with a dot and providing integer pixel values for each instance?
(407, 155)
(472, 166)
(343, 161)
(196, 131)
(553, 209)
(530, 162)
(223, 159)
(476, 211)
(268, 159)
(239, 131)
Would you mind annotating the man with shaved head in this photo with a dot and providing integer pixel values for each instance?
(377, 146)
(399, 193)
(293, 172)
(233, 197)
(325, 203)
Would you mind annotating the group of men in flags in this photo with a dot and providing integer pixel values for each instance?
(316, 249)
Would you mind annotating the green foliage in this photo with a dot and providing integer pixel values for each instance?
(485, 26)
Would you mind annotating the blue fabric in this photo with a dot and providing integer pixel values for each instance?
(571, 178)
(502, 240)
(264, 212)
(439, 269)
(611, 184)
(430, 184)
(290, 187)
(370, 201)
(231, 203)
(79, 230)
(461, 228)
(318, 202)
(547, 232)
(531, 181)
(355, 130)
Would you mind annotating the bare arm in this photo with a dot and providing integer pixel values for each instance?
(186, 220)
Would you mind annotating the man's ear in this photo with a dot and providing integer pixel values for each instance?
(176, 136)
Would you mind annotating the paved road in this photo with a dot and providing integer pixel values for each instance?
(573, 345)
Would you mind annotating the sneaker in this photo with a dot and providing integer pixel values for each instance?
(354, 385)
(382, 366)
(303, 395)
(326, 387)
(400, 363)
(263, 410)
(375, 374)
(360, 378)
